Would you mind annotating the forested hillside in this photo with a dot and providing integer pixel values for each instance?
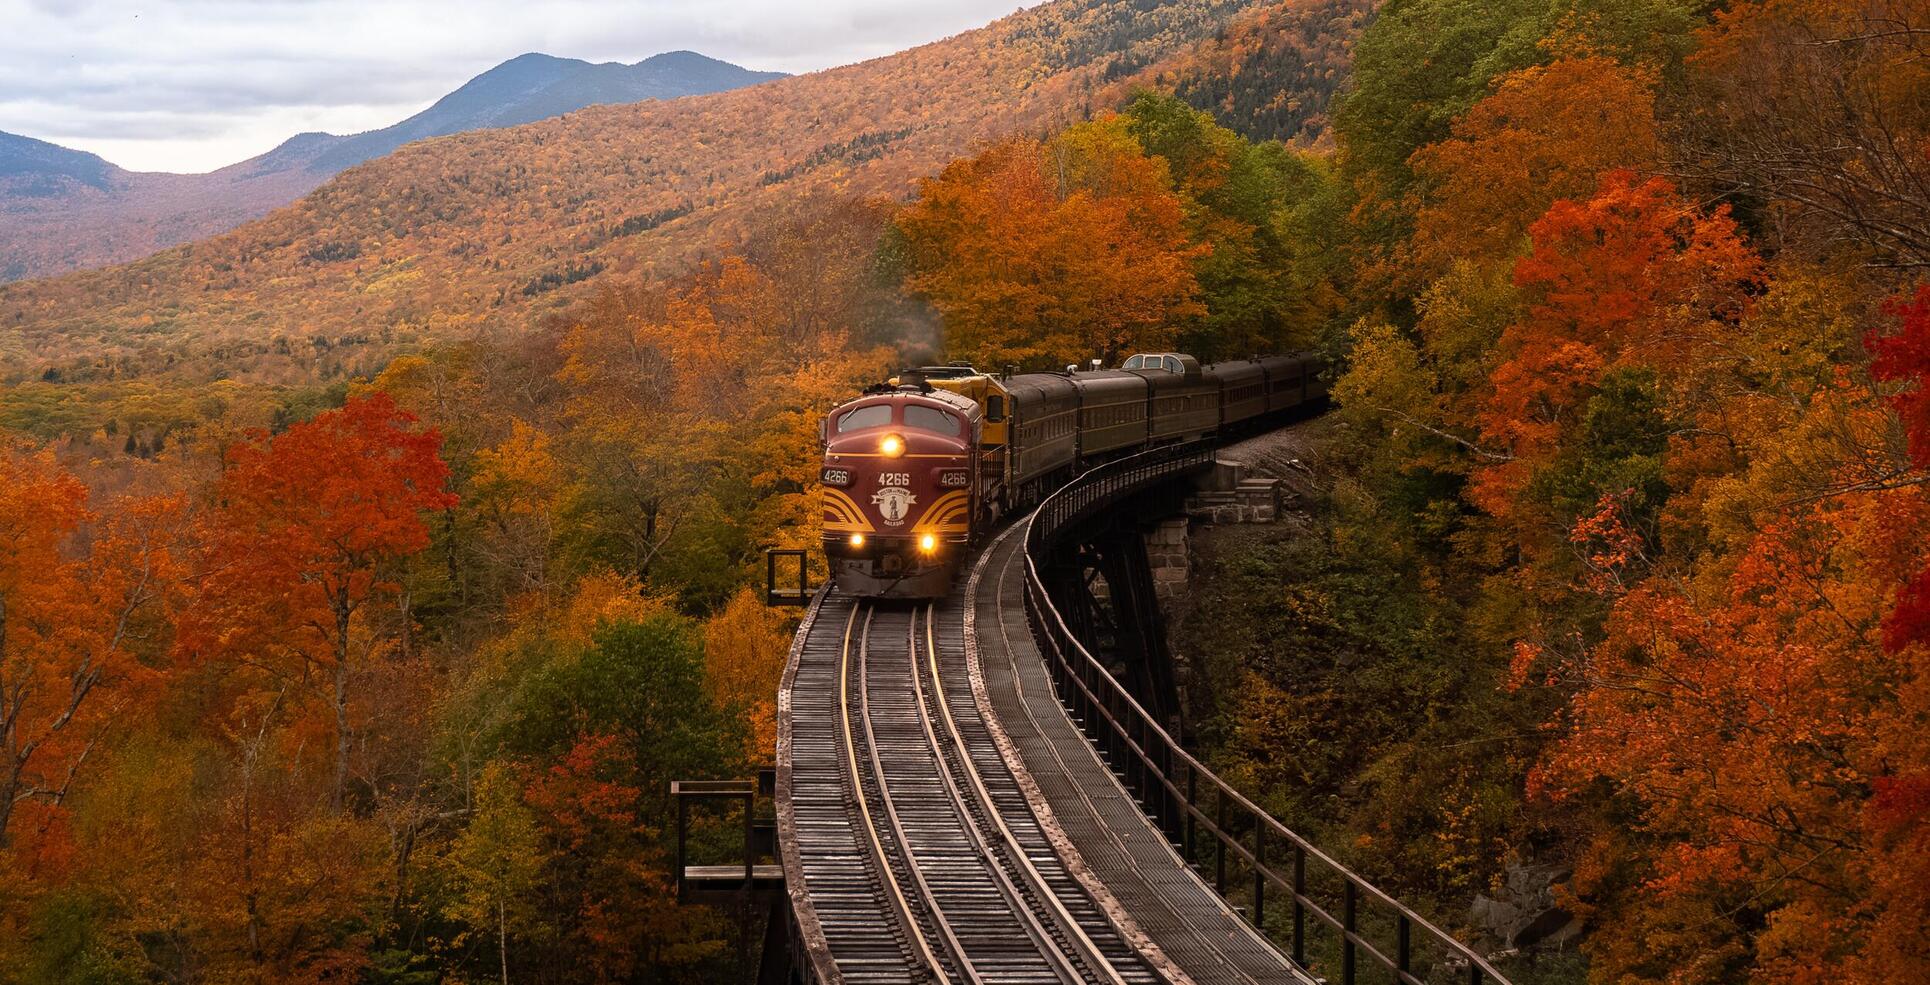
(1271, 76)
(488, 230)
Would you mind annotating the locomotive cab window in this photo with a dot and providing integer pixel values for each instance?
(930, 419)
(874, 416)
(994, 408)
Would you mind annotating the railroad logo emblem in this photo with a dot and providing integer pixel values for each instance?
(893, 503)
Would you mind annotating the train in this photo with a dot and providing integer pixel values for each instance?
(921, 467)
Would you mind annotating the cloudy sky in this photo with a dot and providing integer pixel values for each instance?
(191, 85)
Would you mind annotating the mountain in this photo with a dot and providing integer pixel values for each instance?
(535, 87)
(31, 164)
(63, 209)
(492, 229)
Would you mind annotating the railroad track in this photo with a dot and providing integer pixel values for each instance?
(924, 861)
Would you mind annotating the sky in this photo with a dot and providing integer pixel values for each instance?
(192, 85)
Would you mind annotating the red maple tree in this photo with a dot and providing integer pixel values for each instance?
(309, 527)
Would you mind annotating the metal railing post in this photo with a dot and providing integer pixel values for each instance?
(1299, 904)
(683, 838)
(1166, 795)
(1193, 798)
(1348, 904)
(1403, 945)
(1219, 841)
(750, 839)
(1260, 874)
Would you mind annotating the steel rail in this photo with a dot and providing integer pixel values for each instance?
(1035, 928)
(1100, 967)
(914, 936)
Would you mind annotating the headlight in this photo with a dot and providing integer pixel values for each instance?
(835, 476)
(857, 540)
(928, 543)
(892, 446)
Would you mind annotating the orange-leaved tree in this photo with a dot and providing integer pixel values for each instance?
(1057, 250)
(309, 526)
(1632, 278)
(1742, 722)
(71, 624)
(1546, 133)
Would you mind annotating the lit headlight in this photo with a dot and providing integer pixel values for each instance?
(928, 543)
(857, 540)
(892, 446)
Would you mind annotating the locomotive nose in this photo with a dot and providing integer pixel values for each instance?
(897, 493)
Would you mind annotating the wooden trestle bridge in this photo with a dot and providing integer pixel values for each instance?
(966, 793)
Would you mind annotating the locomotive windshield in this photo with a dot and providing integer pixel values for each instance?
(930, 419)
(874, 416)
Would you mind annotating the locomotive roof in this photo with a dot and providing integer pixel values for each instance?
(955, 371)
(957, 403)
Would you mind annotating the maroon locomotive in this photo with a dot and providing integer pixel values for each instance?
(914, 471)
(900, 482)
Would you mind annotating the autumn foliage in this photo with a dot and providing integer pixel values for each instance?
(1657, 445)
(310, 526)
(72, 651)
(1076, 245)
(1903, 357)
(372, 659)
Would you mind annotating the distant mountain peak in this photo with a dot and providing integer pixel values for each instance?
(535, 86)
(25, 157)
(686, 56)
(537, 56)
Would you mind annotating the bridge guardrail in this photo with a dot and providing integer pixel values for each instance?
(1186, 797)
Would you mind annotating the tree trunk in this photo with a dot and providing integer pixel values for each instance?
(407, 605)
(502, 935)
(251, 895)
(456, 579)
(9, 789)
(339, 798)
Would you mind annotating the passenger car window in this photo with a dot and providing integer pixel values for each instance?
(876, 415)
(930, 419)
